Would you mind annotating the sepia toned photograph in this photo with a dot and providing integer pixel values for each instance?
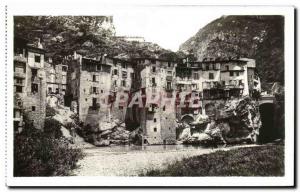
(134, 95)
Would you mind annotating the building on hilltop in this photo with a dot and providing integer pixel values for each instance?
(29, 83)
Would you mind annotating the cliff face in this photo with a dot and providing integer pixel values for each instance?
(62, 35)
(257, 37)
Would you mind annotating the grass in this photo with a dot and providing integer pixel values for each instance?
(252, 161)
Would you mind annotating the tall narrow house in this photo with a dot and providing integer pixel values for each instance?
(29, 83)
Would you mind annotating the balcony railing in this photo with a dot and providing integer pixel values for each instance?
(211, 85)
(35, 65)
(234, 86)
(19, 74)
(218, 85)
(169, 78)
(20, 58)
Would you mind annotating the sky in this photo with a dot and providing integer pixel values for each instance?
(169, 28)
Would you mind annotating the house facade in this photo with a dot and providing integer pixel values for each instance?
(94, 86)
(29, 83)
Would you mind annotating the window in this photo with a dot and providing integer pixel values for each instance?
(94, 89)
(154, 120)
(49, 90)
(37, 58)
(153, 81)
(169, 64)
(227, 68)
(99, 67)
(19, 89)
(124, 74)
(155, 129)
(19, 80)
(94, 104)
(153, 69)
(153, 61)
(115, 71)
(214, 66)
(33, 73)
(124, 65)
(64, 68)
(231, 73)
(169, 85)
(237, 73)
(94, 78)
(57, 90)
(240, 82)
(34, 88)
(33, 108)
(123, 83)
(207, 67)
(211, 76)
(196, 76)
(223, 82)
(164, 108)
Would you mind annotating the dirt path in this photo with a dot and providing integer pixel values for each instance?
(112, 161)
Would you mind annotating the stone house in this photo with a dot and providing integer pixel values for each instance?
(97, 84)
(56, 77)
(94, 84)
(157, 118)
(29, 83)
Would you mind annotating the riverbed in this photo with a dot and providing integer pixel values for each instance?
(134, 160)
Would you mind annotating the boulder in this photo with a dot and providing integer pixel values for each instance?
(237, 121)
(185, 133)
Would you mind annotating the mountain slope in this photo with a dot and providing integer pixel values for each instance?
(257, 37)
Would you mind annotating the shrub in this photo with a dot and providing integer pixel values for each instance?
(52, 128)
(251, 161)
(50, 112)
(38, 154)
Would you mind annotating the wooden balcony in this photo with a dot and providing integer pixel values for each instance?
(20, 75)
(20, 58)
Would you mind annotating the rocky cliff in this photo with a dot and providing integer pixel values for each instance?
(257, 37)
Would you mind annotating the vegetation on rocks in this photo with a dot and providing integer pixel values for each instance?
(43, 153)
(61, 36)
(251, 161)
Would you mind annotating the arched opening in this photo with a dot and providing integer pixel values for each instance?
(145, 142)
(268, 132)
(187, 119)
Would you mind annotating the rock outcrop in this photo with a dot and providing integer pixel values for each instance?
(238, 121)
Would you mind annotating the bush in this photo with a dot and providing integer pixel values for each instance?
(37, 154)
(251, 161)
(52, 128)
(50, 112)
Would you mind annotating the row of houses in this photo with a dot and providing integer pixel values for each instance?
(82, 81)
